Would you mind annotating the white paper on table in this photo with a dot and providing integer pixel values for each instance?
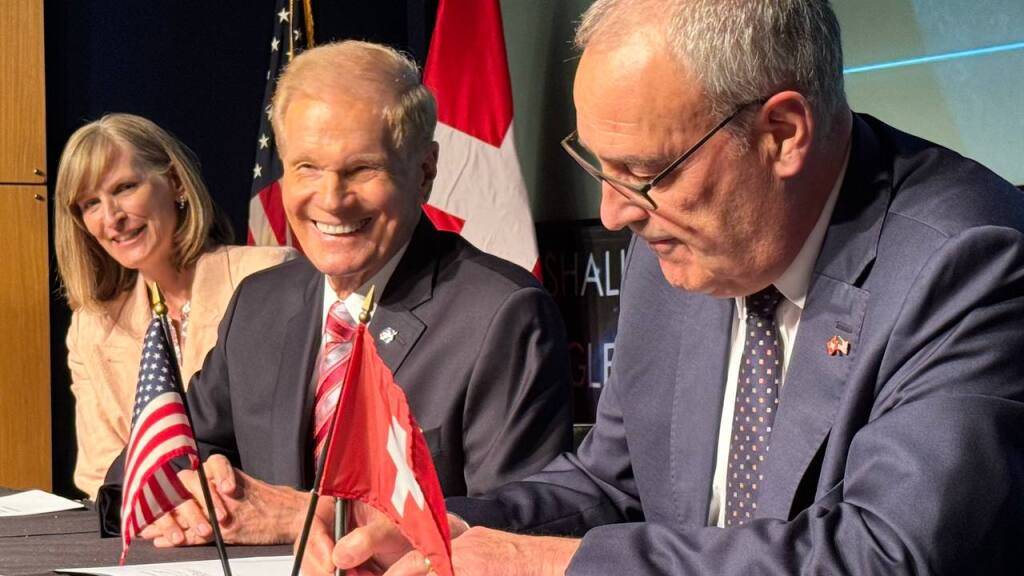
(34, 502)
(263, 566)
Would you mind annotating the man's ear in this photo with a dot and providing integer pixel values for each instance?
(428, 171)
(786, 126)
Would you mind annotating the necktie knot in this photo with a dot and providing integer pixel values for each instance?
(339, 330)
(340, 325)
(762, 304)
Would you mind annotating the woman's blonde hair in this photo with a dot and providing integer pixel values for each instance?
(89, 275)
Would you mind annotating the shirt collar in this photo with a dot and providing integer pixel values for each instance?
(796, 280)
(354, 301)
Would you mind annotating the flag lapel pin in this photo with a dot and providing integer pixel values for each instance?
(837, 346)
(388, 334)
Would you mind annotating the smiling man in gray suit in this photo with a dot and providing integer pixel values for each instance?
(475, 341)
(818, 366)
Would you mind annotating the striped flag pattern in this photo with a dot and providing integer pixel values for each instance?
(160, 432)
(268, 225)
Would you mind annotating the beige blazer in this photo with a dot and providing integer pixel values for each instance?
(104, 349)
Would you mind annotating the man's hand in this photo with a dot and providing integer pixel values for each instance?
(495, 553)
(188, 524)
(248, 511)
(377, 547)
(369, 548)
(255, 512)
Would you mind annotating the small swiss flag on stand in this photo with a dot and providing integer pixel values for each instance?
(377, 454)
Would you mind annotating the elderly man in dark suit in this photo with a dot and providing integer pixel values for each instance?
(818, 366)
(475, 341)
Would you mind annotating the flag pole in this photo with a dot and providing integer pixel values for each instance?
(340, 523)
(156, 299)
(341, 506)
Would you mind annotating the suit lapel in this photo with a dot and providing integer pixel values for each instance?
(410, 285)
(835, 306)
(814, 385)
(293, 396)
(697, 413)
(406, 329)
(395, 327)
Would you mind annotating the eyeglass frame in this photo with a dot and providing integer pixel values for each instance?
(643, 190)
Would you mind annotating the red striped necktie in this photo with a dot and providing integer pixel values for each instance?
(338, 333)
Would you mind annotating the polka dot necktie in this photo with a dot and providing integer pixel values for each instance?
(757, 397)
(338, 332)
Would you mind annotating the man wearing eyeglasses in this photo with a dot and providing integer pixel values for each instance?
(818, 361)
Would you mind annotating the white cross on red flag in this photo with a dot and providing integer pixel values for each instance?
(479, 191)
(377, 454)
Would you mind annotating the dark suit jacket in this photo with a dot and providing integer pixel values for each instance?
(480, 352)
(905, 456)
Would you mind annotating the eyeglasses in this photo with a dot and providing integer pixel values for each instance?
(638, 193)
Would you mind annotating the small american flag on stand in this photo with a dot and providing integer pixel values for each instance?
(268, 225)
(160, 432)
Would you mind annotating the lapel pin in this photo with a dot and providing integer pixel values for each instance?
(388, 334)
(837, 346)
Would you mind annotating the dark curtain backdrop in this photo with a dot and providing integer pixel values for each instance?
(198, 69)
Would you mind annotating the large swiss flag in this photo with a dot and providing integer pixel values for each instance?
(479, 191)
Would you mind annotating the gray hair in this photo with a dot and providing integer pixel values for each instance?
(740, 50)
(372, 72)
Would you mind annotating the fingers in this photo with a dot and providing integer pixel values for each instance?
(165, 529)
(190, 480)
(316, 560)
(456, 525)
(358, 545)
(412, 564)
(221, 475)
(183, 526)
(361, 544)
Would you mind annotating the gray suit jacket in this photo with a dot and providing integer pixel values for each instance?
(480, 352)
(905, 456)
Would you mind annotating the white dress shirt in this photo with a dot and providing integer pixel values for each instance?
(793, 284)
(354, 301)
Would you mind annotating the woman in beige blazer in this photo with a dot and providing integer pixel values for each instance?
(131, 208)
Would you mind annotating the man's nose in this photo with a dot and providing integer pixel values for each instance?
(333, 191)
(617, 211)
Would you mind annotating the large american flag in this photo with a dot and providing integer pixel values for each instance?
(267, 223)
(160, 432)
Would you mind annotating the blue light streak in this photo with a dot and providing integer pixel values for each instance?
(935, 58)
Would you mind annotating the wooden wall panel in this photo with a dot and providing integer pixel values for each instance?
(22, 101)
(25, 448)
